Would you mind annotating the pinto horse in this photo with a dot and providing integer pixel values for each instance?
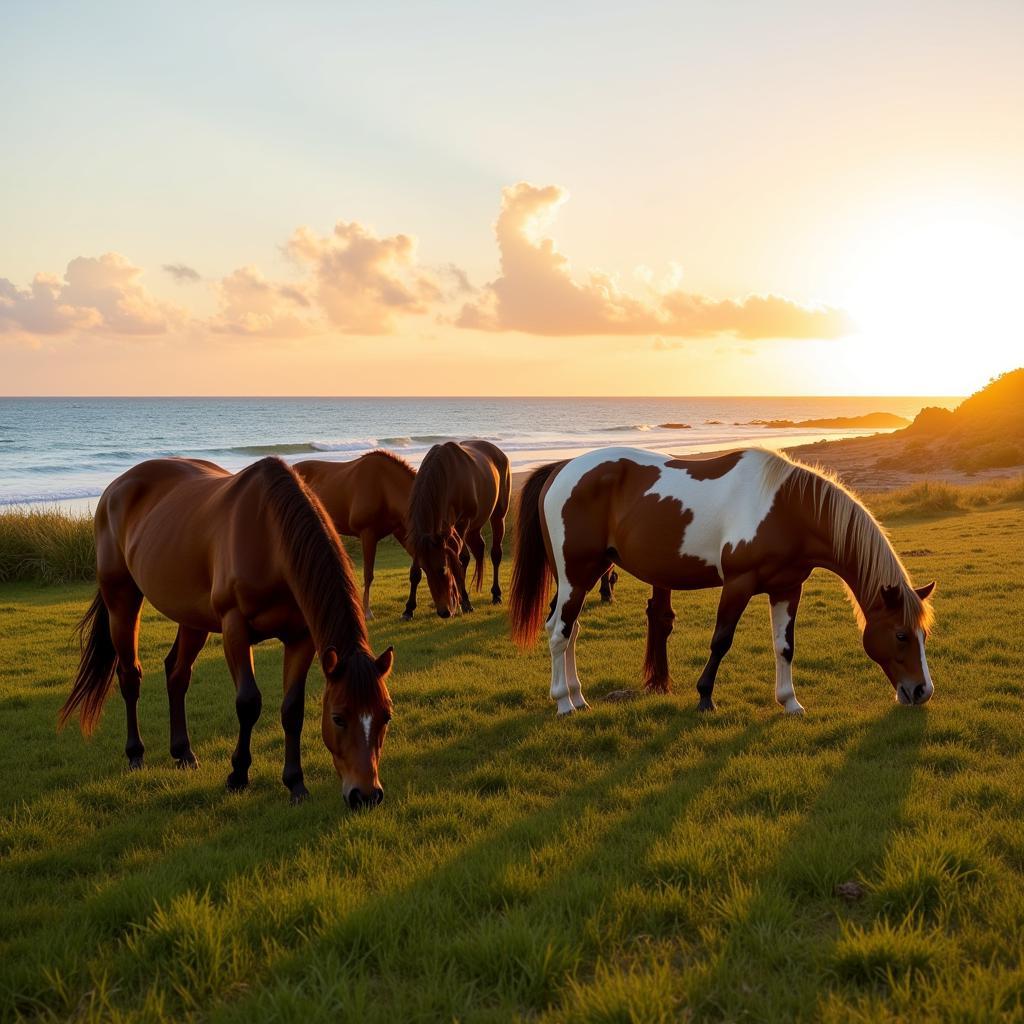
(459, 487)
(251, 556)
(750, 522)
(366, 498)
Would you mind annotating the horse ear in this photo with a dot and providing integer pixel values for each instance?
(329, 660)
(385, 662)
(926, 591)
(891, 597)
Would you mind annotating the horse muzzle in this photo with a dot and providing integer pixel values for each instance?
(909, 694)
(358, 800)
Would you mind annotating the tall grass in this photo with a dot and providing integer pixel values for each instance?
(46, 546)
(936, 498)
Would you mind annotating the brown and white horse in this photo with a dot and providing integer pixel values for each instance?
(750, 522)
(366, 498)
(459, 487)
(252, 556)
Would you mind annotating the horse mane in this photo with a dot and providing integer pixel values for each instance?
(321, 570)
(429, 499)
(394, 457)
(856, 534)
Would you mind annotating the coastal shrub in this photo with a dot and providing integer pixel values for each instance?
(47, 546)
(995, 455)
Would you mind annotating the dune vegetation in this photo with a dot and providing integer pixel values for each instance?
(638, 862)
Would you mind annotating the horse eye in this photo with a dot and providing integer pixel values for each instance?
(902, 637)
(338, 720)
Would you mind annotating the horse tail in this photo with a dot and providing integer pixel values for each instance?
(95, 668)
(530, 569)
(478, 569)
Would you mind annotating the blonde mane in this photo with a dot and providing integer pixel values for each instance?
(856, 535)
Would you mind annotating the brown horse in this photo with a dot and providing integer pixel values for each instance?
(366, 498)
(749, 522)
(251, 556)
(459, 487)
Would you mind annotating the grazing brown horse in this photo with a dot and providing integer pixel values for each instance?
(366, 498)
(749, 522)
(251, 556)
(459, 487)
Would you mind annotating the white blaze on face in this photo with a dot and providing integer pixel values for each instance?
(926, 675)
(367, 721)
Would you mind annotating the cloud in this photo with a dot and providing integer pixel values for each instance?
(100, 294)
(182, 273)
(362, 283)
(536, 292)
(253, 306)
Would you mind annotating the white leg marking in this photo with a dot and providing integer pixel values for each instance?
(366, 721)
(571, 675)
(557, 644)
(784, 692)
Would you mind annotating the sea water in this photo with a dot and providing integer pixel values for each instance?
(64, 451)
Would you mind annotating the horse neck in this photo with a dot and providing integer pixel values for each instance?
(844, 555)
(318, 572)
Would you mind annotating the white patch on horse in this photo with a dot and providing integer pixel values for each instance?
(727, 510)
(367, 721)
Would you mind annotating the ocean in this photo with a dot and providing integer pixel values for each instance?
(64, 451)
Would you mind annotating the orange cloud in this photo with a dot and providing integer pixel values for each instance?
(537, 294)
(253, 306)
(362, 283)
(100, 294)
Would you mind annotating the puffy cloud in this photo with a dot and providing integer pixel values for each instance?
(536, 292)
(361, 282)
(253, 306)
(101, 294)
(182, 273)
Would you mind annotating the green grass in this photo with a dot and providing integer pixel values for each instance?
(635, 863)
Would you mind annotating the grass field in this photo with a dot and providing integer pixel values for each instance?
(634, 863)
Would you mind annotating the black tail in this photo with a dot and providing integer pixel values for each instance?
(530, 569)
(95, 669)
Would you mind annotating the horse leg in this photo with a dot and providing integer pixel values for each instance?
(415, 575)
(608, 581)
(659, 626)
(178, 668)
(298, 657)
(736, 595)
(124, 604)
(783, 607)
(248, 700)
(572, 679)
(467, 604)
(497, 536)
(369, 541)
(475, 543)
(563, 629)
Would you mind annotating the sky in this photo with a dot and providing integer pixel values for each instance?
(727, 198)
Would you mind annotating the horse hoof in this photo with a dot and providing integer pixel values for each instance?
(467, 607)
(368, 614)
(406, 616)
(236, 783)
(581, 707)
(188, 760)
(135, 763)
(496, 599)
(794, 709)
(299, 796)
(706, 705)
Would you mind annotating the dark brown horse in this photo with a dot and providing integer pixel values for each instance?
(251, 556)
(366, 498)
(459, 487)
(749, 522)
